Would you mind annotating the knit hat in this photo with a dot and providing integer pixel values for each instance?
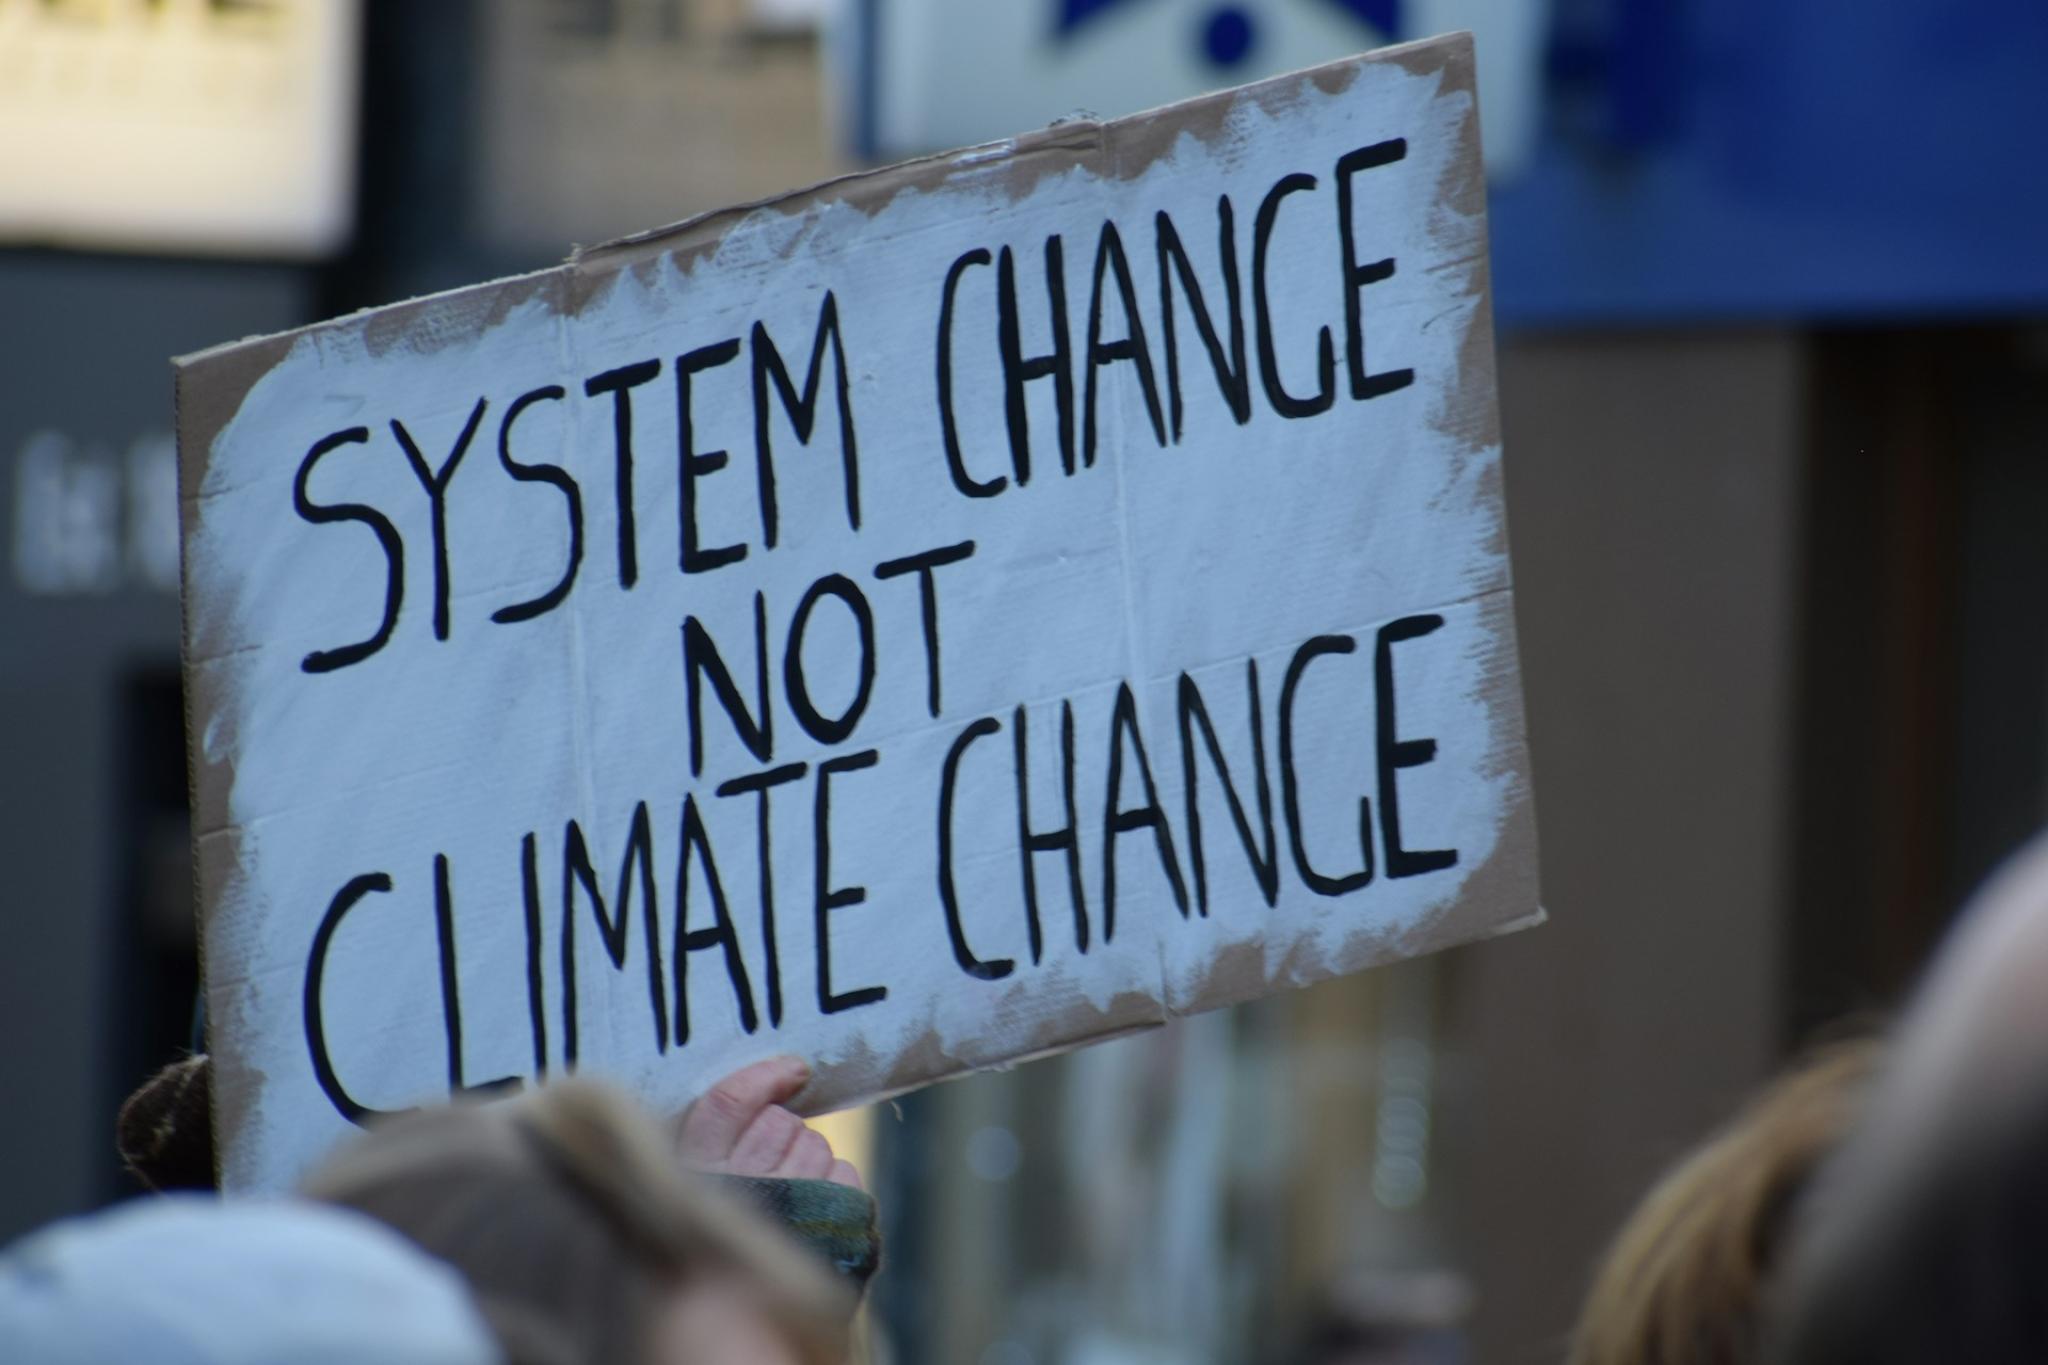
(189, 1280)
(165, 1129)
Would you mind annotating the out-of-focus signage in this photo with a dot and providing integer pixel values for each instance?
(600, 117)
(214, 126)
(792, 15)
(924, 74)
(1750, 160)
(961, 611)
(88, 522)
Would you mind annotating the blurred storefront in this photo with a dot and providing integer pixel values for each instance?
(212, 146)
(1774, 344)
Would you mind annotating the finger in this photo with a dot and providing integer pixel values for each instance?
(712, 1125)
(810, 1157)
(766, 1145)
(844, 1173)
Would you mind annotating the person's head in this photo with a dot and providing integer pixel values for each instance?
(189, 1280)
(1687, 1279)
(1927, 1237)
(582, 1241)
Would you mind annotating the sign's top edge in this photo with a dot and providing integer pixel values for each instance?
(204, 355)
(701, 233)
(932, 169)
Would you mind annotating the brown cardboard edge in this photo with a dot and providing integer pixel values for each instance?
(864, 1075)
(210, 387)
(197, 421)
(221, 377)
(1473, 416)
(821, 1097)
(181, 413)
(1499, 897)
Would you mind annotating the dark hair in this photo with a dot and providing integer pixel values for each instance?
(564, 1210)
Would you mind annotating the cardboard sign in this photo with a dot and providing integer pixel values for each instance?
(951, 614)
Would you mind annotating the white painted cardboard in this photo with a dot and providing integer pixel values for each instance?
(389, 846)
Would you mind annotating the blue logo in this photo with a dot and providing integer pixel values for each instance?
(1228, 34)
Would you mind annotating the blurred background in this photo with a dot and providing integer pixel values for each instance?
(1774, 355)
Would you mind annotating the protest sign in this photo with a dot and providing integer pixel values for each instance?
(951, 614)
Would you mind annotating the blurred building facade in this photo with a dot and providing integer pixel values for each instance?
(1773, 355)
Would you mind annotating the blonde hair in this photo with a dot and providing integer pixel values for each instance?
(565, 1211)
(1686, 1279)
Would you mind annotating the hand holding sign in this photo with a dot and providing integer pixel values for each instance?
(740, 1127)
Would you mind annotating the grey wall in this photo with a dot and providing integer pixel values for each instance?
(1653, 488)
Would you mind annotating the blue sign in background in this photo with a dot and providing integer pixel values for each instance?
(1229, 32)
(1783, 159)
(1737, 160)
